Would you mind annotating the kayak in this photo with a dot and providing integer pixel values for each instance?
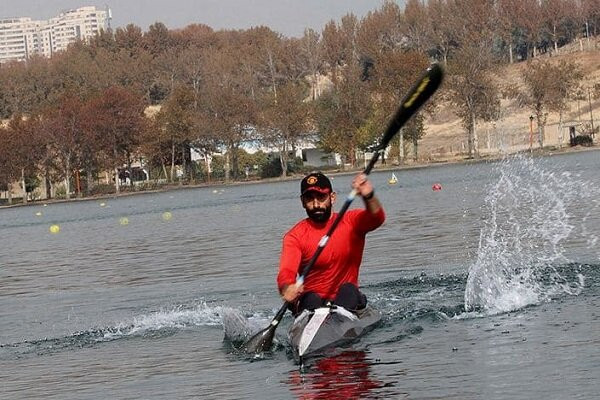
(315, 330)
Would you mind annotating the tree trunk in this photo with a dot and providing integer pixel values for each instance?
(401, 149)
(415, 144)
(560, 129)
(234, 162)
(207, 163)
(472, 140)
(47, 184)
(227, 177)
(129, 170)
(172, 162)
(116, 171)
(9, 194)
(89, 180)
(24, 186)
(164, 168)
(78, 183)
(183, 165)
(591, 113)
(283, 160)
(68, 180)
(117, 181)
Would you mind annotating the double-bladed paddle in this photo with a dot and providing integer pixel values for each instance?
(416, 97)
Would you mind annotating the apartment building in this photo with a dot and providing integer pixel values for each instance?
(21, 38)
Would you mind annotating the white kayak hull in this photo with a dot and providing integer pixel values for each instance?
(314, 331)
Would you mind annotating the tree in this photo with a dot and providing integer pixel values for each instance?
(470, 87)
(417, 25)
(228, 109)
(547, 87)
(119, 122)
(509, 13)
(394, 72)
(63, 131)
(554, 13)
(442, 29)
(472, 90)
(285, 119)
(311, 52)
(342, 114)
(177, 120)
(23, 150)
(8, 155)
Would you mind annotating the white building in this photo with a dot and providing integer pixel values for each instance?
(21, 38)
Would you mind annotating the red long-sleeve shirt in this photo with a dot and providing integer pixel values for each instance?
(340, 260)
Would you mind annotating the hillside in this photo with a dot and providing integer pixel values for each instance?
(446, 139)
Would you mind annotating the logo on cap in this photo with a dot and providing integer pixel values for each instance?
(311, 180)
(315, 181)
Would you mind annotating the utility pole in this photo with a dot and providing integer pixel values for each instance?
(591, 114)
(531, 132)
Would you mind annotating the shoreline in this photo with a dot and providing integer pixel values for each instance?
(380, 168)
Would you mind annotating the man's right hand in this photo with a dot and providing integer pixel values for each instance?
(291, 292)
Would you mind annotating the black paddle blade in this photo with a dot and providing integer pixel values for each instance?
(422, 90)
(261, 342)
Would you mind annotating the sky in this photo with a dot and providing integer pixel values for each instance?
(289, 17)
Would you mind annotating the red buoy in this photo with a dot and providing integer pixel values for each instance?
(436, 187)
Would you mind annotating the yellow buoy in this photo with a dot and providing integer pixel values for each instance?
(54, 229)
(167, 216)
(124, 221)
(102, 204)
(39, 213)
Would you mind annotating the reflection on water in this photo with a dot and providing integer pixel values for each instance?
(343, 376)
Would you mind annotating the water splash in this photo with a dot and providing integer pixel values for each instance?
(531, 214)
(176, 318)
(156, 324)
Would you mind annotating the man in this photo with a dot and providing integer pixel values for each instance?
(334, 276)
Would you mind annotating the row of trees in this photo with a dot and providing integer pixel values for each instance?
(82, 110)
(56, 143)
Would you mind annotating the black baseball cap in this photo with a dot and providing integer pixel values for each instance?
(317, 182)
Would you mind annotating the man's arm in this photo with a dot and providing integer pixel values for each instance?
(291, 257)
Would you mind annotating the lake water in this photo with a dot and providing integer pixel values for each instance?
(490, 289)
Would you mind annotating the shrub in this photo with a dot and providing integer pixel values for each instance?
(583, 140)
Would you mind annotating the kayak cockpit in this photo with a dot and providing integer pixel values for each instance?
(315, 330)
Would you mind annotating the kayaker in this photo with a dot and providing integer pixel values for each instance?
(334, 276)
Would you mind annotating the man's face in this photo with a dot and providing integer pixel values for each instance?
(318, 205)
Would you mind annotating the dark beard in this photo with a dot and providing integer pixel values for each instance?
(319, 215)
